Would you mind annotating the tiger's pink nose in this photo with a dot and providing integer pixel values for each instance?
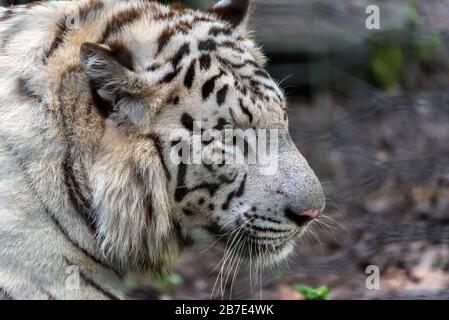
(303, 217)
(312, 213)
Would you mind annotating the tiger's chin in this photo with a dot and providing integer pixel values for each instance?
(268, 255)
(251, 249)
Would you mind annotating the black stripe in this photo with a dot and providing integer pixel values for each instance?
(245, 148)
(205, 61)
(153, 67)
(269, 247)
(147, 203)
(267, 229)
(221, 123)
(209, 167)
(184, 27)
(262, 73)
(164, 38)
(164, 16)
(209, 86)
(237, 65)
(170, 76)
(254, 237)
(34, 4)
(224, 179)
(90, 8)
(210, 187)
(173, 100)
(207, 45)
(187, 121)
(215, 31)
(7, 15)
(77, 199)
(246, 111)
(76, 244)
(190, 75)
(149, 211)
(58, 38)
(24, 90)
(221, 95)
(160, 149)
(104, 108)
(231, 45)
(253, 63)
(5, 295)
(234, 194)
(94, 285)
(228, 63)
(271, 88)
(233, 116)
(122, 54)
(181, 189)
(84, 11)
(121, 20)
(53, 218)
(203, 19)
(181, 239)
(263, 218)
(255, 83)
(7, 35)
(183, 51)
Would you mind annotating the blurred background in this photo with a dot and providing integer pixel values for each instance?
(369, 109)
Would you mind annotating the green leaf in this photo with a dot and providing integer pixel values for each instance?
(411, 14)
(426, 48)
(165, 282)
(320, 293)
(387, 64)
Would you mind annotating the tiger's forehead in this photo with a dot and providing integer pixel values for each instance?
(212, 64)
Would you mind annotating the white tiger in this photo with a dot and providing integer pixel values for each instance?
(90, 93)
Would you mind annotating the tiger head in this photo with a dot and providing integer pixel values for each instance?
(183, 81)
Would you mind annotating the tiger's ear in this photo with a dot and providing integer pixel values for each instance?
(113, 83)
(236, 12)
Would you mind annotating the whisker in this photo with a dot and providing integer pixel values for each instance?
(229, 252)
(221, 236)
(237, 267)
(334, 221)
